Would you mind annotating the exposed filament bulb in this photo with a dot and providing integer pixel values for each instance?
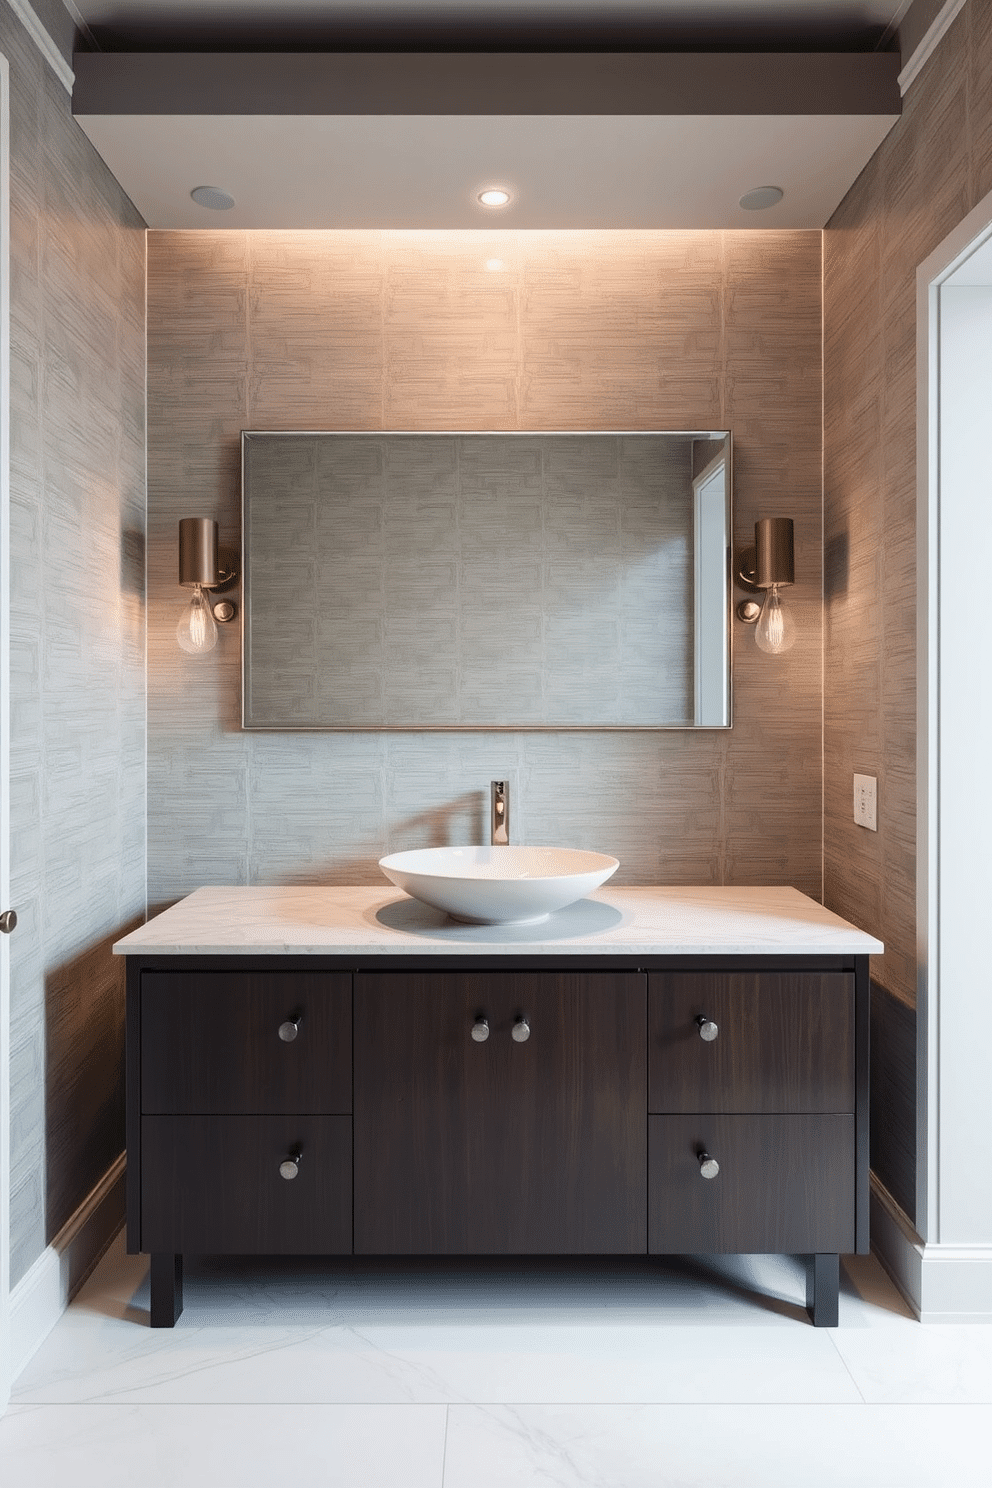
(197, 629)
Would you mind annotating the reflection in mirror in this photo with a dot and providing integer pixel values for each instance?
(486, 581)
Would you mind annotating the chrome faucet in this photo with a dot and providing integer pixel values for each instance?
(500, 816)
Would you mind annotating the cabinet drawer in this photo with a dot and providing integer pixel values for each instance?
(786, 1183)
(212, 1183)
(210, 1042)
(785, 1042)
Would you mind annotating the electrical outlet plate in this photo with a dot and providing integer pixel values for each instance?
(866, 802)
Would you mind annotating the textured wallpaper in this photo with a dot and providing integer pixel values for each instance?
(407, 330)
(77, 647)
(928, 174)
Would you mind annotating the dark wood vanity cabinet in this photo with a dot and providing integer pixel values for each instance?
(500, 1113)
(281, 1105)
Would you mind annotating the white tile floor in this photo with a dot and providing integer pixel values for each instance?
(321, 1374)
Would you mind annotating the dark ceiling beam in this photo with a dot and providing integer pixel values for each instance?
(481, 84)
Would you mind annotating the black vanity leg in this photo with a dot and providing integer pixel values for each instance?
(822, 1289)
(167, 1288)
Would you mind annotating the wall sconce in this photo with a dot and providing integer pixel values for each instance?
(768, 567)
(200, 568)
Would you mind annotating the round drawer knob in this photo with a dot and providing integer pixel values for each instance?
(480, 1030)
(290, 1166)
(521, 1031)
(291, 1027)
(708, 1166)
(8, 921)
(708, 1030)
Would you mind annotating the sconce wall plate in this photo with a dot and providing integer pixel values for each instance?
(747, 571)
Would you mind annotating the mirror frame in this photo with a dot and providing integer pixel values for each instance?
(486, 728)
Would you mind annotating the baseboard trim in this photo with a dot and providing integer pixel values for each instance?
(40, 1298)
(941, 1283)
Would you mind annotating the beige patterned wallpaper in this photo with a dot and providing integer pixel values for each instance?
(77, 623)
(376, 330)
(929, 173)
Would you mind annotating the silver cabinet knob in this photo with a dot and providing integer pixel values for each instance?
(290, 1166)
(708, 1030)
(480, 1030)
(291, 1027)
(521, 1031)
(8, 921)
(708, 1166)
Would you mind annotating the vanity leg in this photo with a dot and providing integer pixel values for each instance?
(167, 1288)
(822, 1289)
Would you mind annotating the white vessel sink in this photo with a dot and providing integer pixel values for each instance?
(498, 885)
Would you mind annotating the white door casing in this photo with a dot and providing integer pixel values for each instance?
(4, 729)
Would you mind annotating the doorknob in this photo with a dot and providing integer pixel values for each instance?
(8, 921)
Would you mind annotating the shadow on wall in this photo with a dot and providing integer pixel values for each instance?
(133, 562)
(893, 1096)
(461, 822)
(84, 1075)
(440, 824)
(836, 565)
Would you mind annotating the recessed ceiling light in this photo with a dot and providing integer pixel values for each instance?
(212, 197)
(761, 198)
(494, 196)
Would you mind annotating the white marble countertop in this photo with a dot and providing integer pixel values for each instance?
(365, 921)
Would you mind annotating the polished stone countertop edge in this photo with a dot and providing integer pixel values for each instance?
(627, 921)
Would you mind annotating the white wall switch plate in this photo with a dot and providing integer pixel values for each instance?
(866, 802)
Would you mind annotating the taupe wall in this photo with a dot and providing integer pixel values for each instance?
(411, 331)
(930, 171)
(77, 646)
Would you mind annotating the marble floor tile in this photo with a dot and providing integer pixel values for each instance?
(323, 1332)
(430, 1364)
(222, 1446)
(692, 1373)
(712, 1446)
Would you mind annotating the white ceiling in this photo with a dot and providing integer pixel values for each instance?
(321, 168)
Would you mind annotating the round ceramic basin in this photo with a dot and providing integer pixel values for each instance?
(498, 885)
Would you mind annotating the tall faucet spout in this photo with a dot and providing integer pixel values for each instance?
(500, 816)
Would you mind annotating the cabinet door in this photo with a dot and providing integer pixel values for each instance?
(211, 1042)
(500, 1147)
(784, 1041)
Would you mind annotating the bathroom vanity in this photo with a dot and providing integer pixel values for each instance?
(344, 1071)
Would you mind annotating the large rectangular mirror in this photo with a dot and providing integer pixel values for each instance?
(486, 581)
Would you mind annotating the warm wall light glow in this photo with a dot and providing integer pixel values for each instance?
(494, 196)
(197, 629)
(775, 631)
(494, 265)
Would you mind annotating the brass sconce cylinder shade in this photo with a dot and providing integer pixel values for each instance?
(198, 551)
(774, 552)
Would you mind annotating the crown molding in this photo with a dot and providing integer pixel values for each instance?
(931, 41)
(46, 46)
